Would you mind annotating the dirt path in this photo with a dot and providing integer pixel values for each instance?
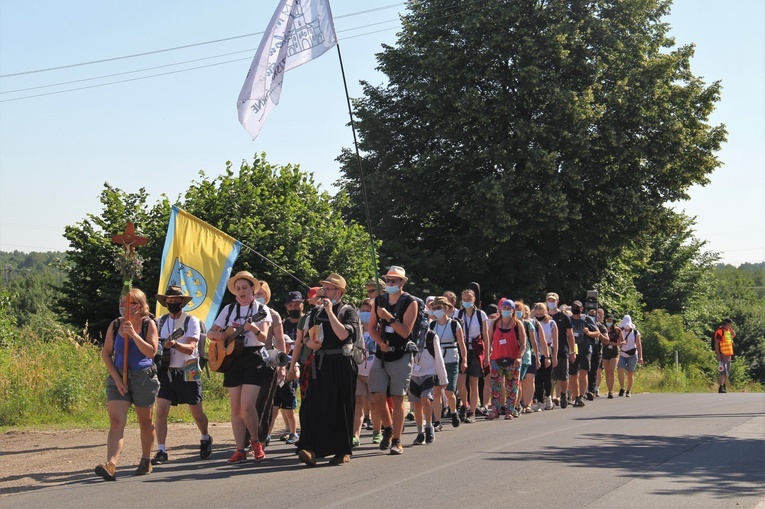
(31, 460)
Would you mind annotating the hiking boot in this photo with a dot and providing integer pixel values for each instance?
(307, 457)
(429, 435)
(627, 394)
(722, 390)
(420, 439)
(470, 418)
(237, 457)
(292, 438)
(257, 451)
(387, 434)
(437, 426)
(159, 458)
(377, 437)
(455, 420)
(339, 459)
(107, 471)
(395, 447)
(144, 467)
(621, 392)
(205, 448)
(355, 442)
(563, 402)
(590, 396)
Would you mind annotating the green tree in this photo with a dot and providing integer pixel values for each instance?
(525, 143)
(278, 212)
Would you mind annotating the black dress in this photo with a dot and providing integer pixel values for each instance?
(326, 412)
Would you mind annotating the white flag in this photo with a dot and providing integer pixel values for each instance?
(299, 31)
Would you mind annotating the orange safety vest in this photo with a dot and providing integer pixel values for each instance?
(726, 342)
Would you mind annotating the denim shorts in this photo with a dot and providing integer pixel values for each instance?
(630, 363)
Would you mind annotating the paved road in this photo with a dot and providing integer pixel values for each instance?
(651, 450)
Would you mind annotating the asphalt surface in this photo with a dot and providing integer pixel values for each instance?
(651, 450)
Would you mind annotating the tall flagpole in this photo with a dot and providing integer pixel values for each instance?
(361, 172)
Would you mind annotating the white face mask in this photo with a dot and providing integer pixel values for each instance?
(552, 306)
(260, 300)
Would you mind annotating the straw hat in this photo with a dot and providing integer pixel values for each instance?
(397, 272)
(173, 291)
(335, 280)
(243, 274)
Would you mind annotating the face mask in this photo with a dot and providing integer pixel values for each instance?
(439, 313)
(609, 324)
(467, 305)
(540, 318)
(552, 306)
(260, 300)
(431, 313)
(519, 315)
(174, 307)
(391, 289)
(334, 301)
(576, 310)
(122, 310)
(294, 313)
(365, 316)
(507, 314)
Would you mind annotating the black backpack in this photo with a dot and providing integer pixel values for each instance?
(419, 329)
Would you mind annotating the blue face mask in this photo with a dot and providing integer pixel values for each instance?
(365, 316)
(260, 300)
(392, 289)
(519, 315)
(467, 305)
(439, 313)
(507, 314)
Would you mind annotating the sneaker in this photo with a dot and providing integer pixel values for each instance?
(257, 451)
(377, 437)
(420, 439)
(579, 402)
(455, 420)
(268, 441)
(395, 447)
(107, 471)
(429, 435)
(590, 396)
(556, 401)
(307, 457)
(159, 458)
(410, 416)
(205, 449)
(482, 410)
(437, 426)
(144, 467)
(284, 437)
(445, 412)
(339, 459)
(621, 392)
(627, 394)
(355, 442)
(610, 395)
(463, 413)
(722, 390)
(538, 406)
(237, 457)
(387, 434)
(366, 423)
(563, 402)
(549, 405)
(292, 438)
(597, 392)
(469, 418)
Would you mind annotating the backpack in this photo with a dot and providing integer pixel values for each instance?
(453, 323)
(426, 342)
(419, 328)
(201, 344)
(460, 316)
(357, 349)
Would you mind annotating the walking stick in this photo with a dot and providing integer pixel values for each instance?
(129, 265)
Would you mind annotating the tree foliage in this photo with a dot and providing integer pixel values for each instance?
(278, 213)
(525, 143)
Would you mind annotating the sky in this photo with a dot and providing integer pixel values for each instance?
(155, 121)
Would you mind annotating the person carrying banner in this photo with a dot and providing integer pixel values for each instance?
(178, 385)
(246, 374)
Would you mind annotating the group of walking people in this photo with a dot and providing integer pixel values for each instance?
(451, 360)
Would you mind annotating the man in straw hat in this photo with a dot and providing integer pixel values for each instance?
(246, 374)
(174, 387)
(326, 413)
(390, 325)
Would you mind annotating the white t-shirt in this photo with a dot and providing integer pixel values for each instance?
(449, 345)
(473, 325)
(177, 358)
(238, 317)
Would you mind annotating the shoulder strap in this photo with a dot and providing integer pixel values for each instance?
(145, 326)
(230, 311)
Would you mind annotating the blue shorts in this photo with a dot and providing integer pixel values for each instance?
(628, 363)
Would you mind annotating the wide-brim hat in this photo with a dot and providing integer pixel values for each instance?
(397, 272)
(173, 291)
(335, 280)
(242, 274)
